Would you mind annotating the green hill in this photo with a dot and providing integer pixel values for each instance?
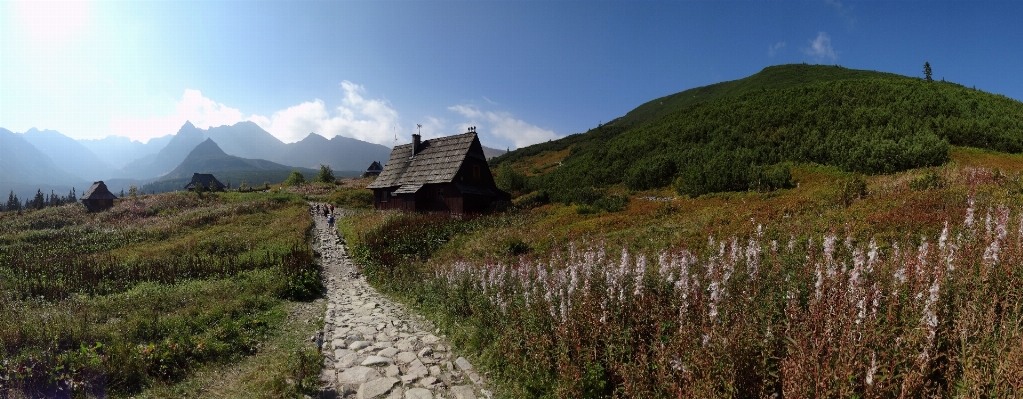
(207, 157)
(736, 135)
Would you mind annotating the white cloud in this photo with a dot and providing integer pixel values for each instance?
(194, 107)
(503, 125)
(359, 118)
(820, 48)
(773, 49)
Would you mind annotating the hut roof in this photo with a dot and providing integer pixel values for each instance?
(98, 191)
(375, 167)
(207, 181)
(437, 161)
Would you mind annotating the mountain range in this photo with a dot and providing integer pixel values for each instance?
(49, 160)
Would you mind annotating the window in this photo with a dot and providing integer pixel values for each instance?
(475, 172)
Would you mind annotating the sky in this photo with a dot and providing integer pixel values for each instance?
(522, 72)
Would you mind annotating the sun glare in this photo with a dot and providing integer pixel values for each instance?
(52, 22)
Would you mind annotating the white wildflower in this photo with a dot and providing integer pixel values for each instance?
(969, 213)
(873, 368)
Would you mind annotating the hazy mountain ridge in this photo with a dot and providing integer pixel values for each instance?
(119, 151)
(70, 155)
(208, 157)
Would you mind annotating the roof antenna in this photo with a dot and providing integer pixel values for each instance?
(420, 128)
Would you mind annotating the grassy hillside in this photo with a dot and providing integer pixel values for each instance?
(896, 285)
(735, 136)
(157, 288)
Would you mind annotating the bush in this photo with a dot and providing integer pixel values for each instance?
(326, 175)
(533, 199)
(650, 173)
(509, 179)
(295, 179)
(514, 247)
(927, 181)
(851, 189)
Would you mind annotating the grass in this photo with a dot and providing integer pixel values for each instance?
(147, 293)
(898, 289)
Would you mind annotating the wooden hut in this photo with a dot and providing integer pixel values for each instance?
(207, 180)
(446, 174)
(98, 197)
(374, 169)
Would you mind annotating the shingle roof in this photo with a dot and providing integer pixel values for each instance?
(206, 179)
(98, 191)
(374, 167)
(437, 161)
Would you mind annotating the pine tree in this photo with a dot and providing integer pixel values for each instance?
(326, 175)
(927, 72)
(39, 201)
(12, 202)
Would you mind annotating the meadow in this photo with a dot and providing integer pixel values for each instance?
(142, 296)
(899, 285)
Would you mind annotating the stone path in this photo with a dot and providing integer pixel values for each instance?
(373, 347)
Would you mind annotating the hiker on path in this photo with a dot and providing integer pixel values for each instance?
(330, 221)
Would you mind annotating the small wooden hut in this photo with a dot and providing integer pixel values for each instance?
(98, 197)
(374, 169)
(445, 174)
(207, 180)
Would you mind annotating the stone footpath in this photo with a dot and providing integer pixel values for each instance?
(373, 347)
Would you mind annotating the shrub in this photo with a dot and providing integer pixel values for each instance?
(533, 199)
(927, 181)
(509, 179)
(295, 179)
(326, 175)
(851, 189)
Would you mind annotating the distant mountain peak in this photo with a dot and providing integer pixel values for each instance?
(207, 148)
(188, 124)
(314, 136)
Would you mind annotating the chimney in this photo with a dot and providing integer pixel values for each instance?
(415, 144)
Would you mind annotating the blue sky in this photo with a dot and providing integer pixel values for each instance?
(522, 71)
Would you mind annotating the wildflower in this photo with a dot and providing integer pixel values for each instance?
(1003, 222)
(640, 271)
(753, 257)
(820, 282)
(922, 251)
(873, 368)
(857, 270)
(969, 213)
(829, 248)
(875, 302)
(944, 237)
(871, 254)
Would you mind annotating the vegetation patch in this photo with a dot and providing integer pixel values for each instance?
(147, 292)
(738, 136)
(849, 285)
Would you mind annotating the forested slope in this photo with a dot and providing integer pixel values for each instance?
(732, 136)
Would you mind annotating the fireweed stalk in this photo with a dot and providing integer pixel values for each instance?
(809, 320)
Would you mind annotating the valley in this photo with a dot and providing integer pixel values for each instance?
(808, 231)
